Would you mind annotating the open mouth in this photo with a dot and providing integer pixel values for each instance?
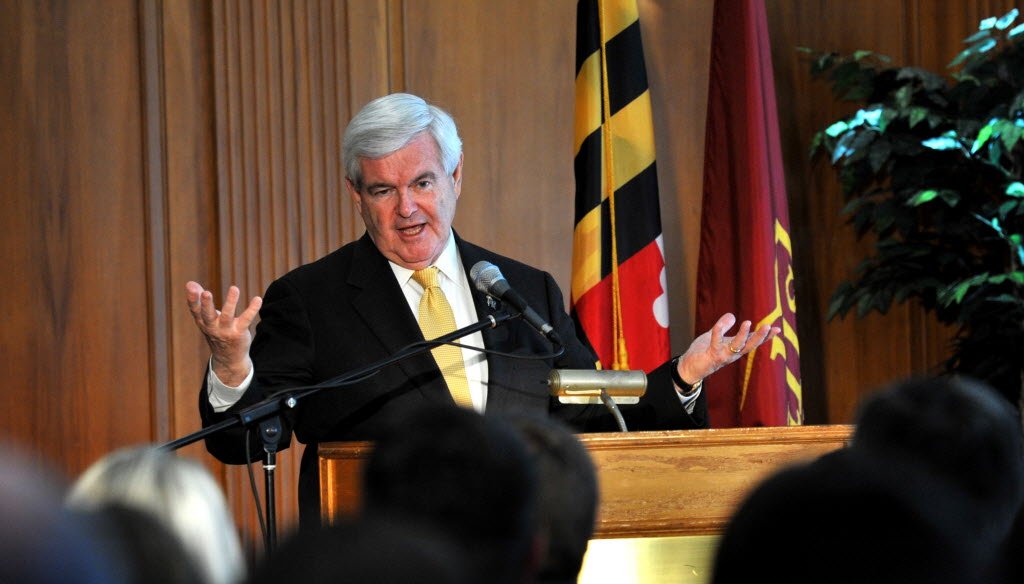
(412, 230)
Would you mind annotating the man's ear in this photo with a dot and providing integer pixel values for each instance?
(354, 193)
(457, 176)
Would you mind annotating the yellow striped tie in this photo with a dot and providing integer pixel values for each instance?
(437, 319)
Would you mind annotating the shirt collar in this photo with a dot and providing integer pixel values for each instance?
(448, 264)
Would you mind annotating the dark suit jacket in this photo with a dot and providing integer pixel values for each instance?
(346, 310)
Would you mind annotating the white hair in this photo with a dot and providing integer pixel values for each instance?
(386, 124)
(180, 493)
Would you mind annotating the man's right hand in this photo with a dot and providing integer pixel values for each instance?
(229, 336)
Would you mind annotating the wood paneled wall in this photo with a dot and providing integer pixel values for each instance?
(144, 143)
(75, 344)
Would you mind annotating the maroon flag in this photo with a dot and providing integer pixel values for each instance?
(745, 264)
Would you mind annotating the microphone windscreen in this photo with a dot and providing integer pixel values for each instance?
(484, 274)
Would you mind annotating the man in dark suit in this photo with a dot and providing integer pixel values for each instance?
(363, 302)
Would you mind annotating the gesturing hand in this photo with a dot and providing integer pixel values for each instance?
(229, 336)
(713, 350)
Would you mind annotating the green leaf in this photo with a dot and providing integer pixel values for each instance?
(1004, 298)
(816, 143)
(966, 77)
(1015, 189)
(1007, 19)
(1015, 31)
(985, 46)
(1017, 277)
(950, 197)
(962, 56)
(1010, 133)
(852, 205)
(842, 147)
(917, 114)
(903, 96)
(836, 129)
(923, 197)
(981, 34)
(987, 23)
(983, 135)
(995, 152)
(823, 63)
(1008, 207)
(959, 291)
(879, 154)
(946, 141)
(864, 305)
(835, 308)
(867, 116)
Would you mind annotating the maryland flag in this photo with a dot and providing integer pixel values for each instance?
(745, 264)
(618, 282)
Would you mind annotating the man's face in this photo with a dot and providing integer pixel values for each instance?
(408, 202)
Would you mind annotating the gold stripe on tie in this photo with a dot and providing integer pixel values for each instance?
(437, 319)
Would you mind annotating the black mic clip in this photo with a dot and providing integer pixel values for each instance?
(488, 279)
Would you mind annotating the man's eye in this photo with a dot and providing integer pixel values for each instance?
(423, 184)
(379, 192)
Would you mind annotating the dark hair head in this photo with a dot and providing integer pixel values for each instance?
(959, 429)
(363, 551)
(568, 493)
(848, 519)
(470, 477)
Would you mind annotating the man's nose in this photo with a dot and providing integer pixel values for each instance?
(406, 203)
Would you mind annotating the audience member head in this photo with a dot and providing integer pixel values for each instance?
(180, 493)
(388, 123)
(40, 541)
(470, 477)
(959, 429)
(847, 518)
(142, 548)
(363, 551)
(567, 504)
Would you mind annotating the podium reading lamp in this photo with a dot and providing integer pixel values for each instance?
(589, 386)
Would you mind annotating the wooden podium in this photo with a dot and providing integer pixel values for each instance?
(651, 483)
(664, 496)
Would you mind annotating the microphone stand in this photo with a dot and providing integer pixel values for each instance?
(266, 415)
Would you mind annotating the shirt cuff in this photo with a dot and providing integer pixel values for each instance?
(689, 401)
(223, 396)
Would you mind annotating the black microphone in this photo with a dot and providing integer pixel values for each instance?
(487, 278)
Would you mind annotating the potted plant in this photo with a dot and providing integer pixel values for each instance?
(932, 168)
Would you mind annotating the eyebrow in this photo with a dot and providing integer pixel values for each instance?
(424, 175)
(428, 174)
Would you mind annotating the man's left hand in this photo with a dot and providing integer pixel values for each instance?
(713, 349)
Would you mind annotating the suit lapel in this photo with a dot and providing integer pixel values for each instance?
(498, 368)
(379, 301)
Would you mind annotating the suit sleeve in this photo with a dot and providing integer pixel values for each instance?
(281, 353)
(659, 408)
